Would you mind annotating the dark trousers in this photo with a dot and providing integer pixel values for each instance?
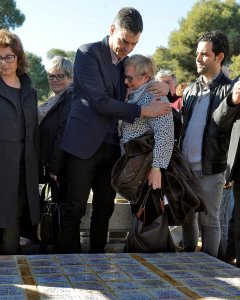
(230, 250)
(233, 243)
(82, 176)
(236, 190)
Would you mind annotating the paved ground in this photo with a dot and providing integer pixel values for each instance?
(115, 244)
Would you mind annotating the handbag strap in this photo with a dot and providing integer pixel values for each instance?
(45, 194)
(141, 209)
(162, 201)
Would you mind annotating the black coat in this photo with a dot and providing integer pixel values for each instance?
(10, 150)
(227, 117)
(51, 132)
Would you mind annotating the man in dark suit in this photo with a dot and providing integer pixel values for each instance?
(91, 139)
(230, 109)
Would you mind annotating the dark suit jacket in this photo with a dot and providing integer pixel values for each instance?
(51, 132)
(96, 101)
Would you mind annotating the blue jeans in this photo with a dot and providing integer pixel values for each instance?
(230, 249)
(226, 209)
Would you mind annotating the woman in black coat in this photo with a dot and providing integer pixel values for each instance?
(52, 119)
(18, 144)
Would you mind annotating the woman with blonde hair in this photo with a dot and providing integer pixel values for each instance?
(139, 75)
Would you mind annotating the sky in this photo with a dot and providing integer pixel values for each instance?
(68, 24)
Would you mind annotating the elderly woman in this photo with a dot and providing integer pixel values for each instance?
(18, 144)
(139, 74)
(53, 116)
(52, 119)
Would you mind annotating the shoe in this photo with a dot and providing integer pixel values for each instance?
(230, 260)
(237, 263)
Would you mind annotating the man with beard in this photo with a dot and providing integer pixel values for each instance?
(203, 143)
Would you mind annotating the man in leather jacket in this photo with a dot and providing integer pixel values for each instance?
(203, 143)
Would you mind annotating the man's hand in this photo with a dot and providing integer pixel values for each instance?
(155, 108)
(236, 93)
(159, 89)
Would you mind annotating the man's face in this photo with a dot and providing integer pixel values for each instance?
(208, 63)
(122, 42)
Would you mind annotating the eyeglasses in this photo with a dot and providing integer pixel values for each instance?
(167, 81)
(57, 76)
(130, 78)
(8, 58)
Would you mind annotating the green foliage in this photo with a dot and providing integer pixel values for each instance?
(69, 54)
(234, 68)
(10, 16)
(37, 74)
(205, 15)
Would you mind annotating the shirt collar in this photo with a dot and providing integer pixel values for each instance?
(115, 59)
(210, 82)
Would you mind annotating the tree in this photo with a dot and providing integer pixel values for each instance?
(38, 76)
(234, 68)
(69, 54)
(205, 15)
(10, 15)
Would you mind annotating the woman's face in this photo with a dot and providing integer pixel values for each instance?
(8, 62)
(58, 80)
(133, 80)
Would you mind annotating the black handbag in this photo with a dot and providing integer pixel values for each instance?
(51, 212)
(152, 237)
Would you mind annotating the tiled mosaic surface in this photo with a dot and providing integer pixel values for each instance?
(118, 276)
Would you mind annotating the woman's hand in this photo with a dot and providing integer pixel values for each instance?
(155, 178)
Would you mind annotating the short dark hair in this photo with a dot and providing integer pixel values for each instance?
(9, 39)
(130, 19)
(219, 40)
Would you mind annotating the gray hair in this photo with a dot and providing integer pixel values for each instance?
(64, 63)
(165, 72)
(129, 18)
(143, 64)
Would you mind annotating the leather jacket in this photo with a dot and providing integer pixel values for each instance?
(215, 141)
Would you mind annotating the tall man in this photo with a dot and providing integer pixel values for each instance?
(91, 136)
(204, 144)
(229, 114)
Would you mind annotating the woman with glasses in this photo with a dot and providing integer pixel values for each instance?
(52, 119)
(139, 74)
(18, 144)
